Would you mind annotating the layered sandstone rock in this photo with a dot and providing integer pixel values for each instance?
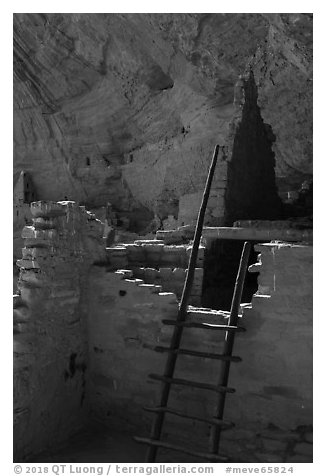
(283, 73)
(126, 108)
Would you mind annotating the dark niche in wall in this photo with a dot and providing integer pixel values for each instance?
(29, 189)
(221, 263)
(251, 191)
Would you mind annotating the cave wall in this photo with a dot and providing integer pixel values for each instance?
(283, 70)
(127, 108)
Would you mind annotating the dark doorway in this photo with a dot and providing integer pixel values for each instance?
(221, 265)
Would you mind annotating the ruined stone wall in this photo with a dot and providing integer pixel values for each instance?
(83, 335)
(157, 263)
(271, 407)
(50, 339)
(125, 323)
(21, 217)
(124, 315)
(274, 381)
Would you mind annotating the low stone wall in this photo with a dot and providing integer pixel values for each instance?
(172, 280)
(176, 236)
(161, 264)
(272, 405)
(50, 338)
(21, 217)
(274, 381)
(124, 316)
(152, 253)
(125, 323)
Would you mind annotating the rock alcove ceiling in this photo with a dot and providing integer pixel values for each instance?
(126, 108)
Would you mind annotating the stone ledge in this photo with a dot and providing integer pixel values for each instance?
(255, 234)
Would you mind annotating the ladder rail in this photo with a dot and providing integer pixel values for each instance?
(222, 386)
(198, 232)
(215, 432)
(177, 332)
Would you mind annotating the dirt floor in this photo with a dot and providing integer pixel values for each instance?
(96, 446)
(102, 446)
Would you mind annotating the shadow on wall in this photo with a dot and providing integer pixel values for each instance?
(252, 192)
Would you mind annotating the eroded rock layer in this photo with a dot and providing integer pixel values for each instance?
(126, 108)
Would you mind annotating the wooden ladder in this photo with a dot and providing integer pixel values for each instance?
(217, 423)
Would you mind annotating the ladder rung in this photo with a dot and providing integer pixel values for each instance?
(170, 446)
(212, 421)
(202, 325)
(190, 383)
(196, 353)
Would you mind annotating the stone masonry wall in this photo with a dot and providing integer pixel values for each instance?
(50, 340)
(271, 407)
(158, 263)
(273, 402)
(125, 321)
(189, 204)
(83, 336)
(124, 314)
(21, 217)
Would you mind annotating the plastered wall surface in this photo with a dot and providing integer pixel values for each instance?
(274, 381)
(125, 319)
(278, 343)
(124, 315)
(50, 339)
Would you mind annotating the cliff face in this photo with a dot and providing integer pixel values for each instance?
(126, 108)
(283, 73)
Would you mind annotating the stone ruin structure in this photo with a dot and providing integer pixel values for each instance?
(110, 165)
(86, 317)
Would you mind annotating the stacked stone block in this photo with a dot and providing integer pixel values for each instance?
(125, 323)
(82, 339)
(178, 236)
(50, 341)
(269, 444)
(275, 377)
(161, 264)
